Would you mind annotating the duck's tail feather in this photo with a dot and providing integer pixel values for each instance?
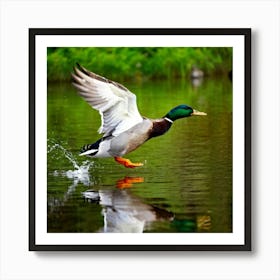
(91, 152)
(90, 149)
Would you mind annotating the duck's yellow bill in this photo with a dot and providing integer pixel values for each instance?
(197, 113)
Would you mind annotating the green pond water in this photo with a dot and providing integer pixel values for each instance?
(185, 184)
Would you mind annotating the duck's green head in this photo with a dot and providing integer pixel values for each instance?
(183, 111)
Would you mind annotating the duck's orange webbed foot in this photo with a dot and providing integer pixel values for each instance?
(127, 163)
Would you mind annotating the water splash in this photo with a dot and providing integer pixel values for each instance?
(55, 146)
(80, 172)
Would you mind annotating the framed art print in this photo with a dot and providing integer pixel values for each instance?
(140, 139)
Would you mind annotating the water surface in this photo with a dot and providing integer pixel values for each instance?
(185, 184)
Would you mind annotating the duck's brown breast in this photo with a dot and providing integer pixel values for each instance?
(160, 126)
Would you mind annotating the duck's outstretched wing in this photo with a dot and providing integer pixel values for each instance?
(116, 104)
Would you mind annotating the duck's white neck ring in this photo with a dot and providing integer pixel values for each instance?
(168, 120)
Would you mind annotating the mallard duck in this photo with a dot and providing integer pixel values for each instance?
(196, 73)
(123, 128)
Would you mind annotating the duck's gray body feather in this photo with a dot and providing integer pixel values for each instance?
(131, 139)
(128, 141)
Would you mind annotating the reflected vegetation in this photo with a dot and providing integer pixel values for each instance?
(185, 184)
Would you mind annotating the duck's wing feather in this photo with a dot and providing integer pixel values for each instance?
(116, 104)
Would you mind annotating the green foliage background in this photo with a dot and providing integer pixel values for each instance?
(126, 63)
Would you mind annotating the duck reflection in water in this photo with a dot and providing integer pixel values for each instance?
(127, 182)
(123, 212)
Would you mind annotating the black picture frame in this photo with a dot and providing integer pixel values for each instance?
(34, 33)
